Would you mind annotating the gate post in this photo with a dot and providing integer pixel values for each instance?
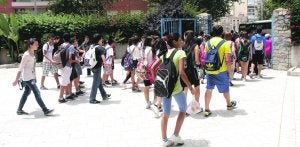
(281, 39)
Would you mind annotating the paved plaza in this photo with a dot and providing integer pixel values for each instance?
(268, 115)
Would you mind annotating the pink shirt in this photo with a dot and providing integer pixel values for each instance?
(268, 47)
(27, 67)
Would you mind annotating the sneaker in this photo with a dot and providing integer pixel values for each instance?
(114, 82)
(244, 79)
(232, 106)
(148, 104)
(231, 84)
(21, 112)
(251, 75)
(58, 86)
(177, 140)
(81, 86)
(81, 82)
(107, 97)
(259, 76)
(78, 93)
(167, 143)
(207, 113)
(62, 100)
(70, 97)
(124, 86)
(43, 88)
(48, 112)
(94, 102)
(107, 83)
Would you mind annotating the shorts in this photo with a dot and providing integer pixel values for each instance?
(268, 57)
(220, 80)
(78, 69)
(65, 76)
(258, 57)
(147, 83)
(133, 66)
(192, 77)
(181, 102)
(74, 74)
(47, 66)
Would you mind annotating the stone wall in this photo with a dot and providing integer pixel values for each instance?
(281, 33)
(295, 56)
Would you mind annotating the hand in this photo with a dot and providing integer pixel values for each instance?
(15, 83)
(192, 90)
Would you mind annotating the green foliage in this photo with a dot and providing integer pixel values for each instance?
(79, 6)
(3, 2)
(123, 25)
(9, 34)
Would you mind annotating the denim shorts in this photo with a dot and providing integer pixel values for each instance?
(220, 80)
(181, 102)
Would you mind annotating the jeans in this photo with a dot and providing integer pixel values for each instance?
(31, 86)
(97, 83)
(181, 102)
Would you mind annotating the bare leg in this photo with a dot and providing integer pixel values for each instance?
(56, 78)
(146, 93)
(259, 69)
(208, 94)
(197, 93)
(179, 122)
(227, 98)
(164, 125)
(43, 81)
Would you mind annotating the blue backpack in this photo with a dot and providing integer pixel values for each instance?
(212, 58)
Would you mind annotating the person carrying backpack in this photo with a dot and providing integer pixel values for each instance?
(243, 56)
(167, 84)
(191, 63)
(217, 65)
(257, 48)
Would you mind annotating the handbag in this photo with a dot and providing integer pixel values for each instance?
(193, 107)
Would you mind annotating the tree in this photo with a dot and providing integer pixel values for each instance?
(3, 2)
(79, 6)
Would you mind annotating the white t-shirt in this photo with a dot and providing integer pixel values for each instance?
(27, 67)
(49, 48)
(136, 52)
(109, 54)
(148, 55)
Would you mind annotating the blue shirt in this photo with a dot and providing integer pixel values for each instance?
(252, 40)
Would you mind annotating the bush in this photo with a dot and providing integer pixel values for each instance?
(36, 26)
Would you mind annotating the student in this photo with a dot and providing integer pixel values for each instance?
(27, 69)
(175, 43)
(97, 81)
(48, 63)
(219, 78)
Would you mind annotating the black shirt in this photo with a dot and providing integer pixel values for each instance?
(99, 51)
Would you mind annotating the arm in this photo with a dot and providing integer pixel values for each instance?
(196, 51)
(103, 59)
(154, 66)
(228, 62)
(251, 47)
(183, 75)
(22, 65)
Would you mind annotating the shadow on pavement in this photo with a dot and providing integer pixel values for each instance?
(38, 114)
(268, 78)
(196, 143)
(222, 113)
(237, 85)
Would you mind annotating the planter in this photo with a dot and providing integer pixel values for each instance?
(4, 58)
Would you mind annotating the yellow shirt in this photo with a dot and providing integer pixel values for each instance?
(224, 49)
(179, 55)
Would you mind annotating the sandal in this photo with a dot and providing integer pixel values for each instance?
(135, 89)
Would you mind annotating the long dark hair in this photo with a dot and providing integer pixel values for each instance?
(173, 37)
(189, 40)
(161, 46)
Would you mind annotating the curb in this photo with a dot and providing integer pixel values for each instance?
(294, 71)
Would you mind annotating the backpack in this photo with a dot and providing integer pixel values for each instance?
(166, 77)
(202, 53)
(90, 57)
(258, 43)
(190, 58)
(128, 60)
(243, 53)
(212, 58)
(60, 56)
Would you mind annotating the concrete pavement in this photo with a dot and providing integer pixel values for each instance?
(268, 115)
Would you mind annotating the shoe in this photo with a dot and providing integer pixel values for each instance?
(43, 88)
(107, 83)
(232, 106)
(48, 112)
(167, 143)
(231, 84)
(62, 100)
(148, 104)
(70, 97)
(177, 140)
(79, 93)
(81, 86)
(124, 86)
(21, 112)
(244, 79)
(107, 97)
(251, 76)
(259, 76)
(81, 82)
(94, 101)
(135, 89)
(207, 113)
(58, 86)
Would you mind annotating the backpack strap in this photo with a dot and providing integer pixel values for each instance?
(171, 56)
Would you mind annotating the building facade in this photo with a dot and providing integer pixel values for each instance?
(19, 6)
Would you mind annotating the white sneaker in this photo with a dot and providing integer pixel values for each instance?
(177, 140)
(148, 104)
(124, 86)
(167, 143)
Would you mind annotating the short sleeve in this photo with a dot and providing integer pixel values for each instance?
(206, 48)
(23, 61)
(181, 54)
(227, 49)
(45, 47)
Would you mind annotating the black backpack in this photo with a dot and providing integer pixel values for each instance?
(244, 52)
(189, 62)
(166, 77)
(212, 58)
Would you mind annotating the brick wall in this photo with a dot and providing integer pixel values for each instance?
(8, 9)
(129, 5)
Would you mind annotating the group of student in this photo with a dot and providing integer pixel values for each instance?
(142, 59)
